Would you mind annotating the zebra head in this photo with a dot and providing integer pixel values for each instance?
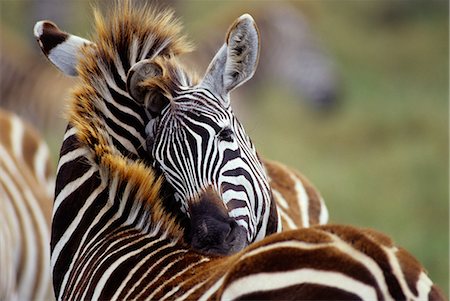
(201, 147)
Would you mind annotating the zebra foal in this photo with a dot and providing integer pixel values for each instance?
(26, 191)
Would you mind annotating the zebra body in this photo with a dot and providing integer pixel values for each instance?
(26, 191)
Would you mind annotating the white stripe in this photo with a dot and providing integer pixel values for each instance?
(264, 282)
(119, 67)
(10, 243)
(159, 275)
(71, 187)
(149, 42)
(280, 199)
(212, 290)
(72, 131)
(125, 142)
(424, 285)
(29, 272)
(94, 263)
(103, 89)
(303, 200)
(324, 216)
(365, 260)
(41, 158)
(97, 241)
(29, 250)
(290, 223)
(133, 50)
(192, 290)
(70, 156)
(397, 271)
(93, 243)
(17, 132)
(74, 224)
(131, 273)
(286, 244)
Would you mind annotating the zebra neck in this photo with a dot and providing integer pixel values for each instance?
(86, 182)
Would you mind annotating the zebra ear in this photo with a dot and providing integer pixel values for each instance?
(142, 71)
(60, 47)
(236, 60)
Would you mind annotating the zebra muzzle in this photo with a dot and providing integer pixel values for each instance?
(211, 230)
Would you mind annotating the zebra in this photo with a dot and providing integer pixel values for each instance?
(26, 192)
(113, 236)
(143, 123)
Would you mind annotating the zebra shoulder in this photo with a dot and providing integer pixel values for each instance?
(300, 204)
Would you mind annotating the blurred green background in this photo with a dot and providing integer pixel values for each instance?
(380, 157)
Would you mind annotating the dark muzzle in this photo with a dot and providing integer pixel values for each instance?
(212, 231)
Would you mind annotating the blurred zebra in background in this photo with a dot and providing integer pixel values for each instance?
(26, 192)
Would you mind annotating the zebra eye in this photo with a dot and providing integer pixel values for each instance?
(225, 134)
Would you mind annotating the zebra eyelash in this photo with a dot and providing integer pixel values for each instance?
(226, 134)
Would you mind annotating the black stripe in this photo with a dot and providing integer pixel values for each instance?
(128, 102)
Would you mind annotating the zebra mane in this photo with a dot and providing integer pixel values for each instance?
(126, 35)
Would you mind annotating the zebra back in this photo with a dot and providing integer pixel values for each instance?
(332, 262)
(26, 191)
